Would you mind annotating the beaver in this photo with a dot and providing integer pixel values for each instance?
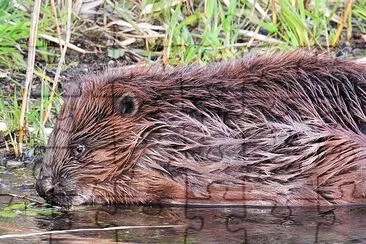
(278, 128)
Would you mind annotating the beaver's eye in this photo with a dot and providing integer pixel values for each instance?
(126, 104)
(79, 150)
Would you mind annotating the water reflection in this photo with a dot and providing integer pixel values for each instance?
(209, 224)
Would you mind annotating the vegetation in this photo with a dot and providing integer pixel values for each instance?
(29, 209)
(169, 31)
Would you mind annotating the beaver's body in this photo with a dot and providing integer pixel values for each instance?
(282, 129)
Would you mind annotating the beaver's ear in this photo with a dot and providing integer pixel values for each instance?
(126, 105)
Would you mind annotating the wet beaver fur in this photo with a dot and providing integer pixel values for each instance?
(280, 128)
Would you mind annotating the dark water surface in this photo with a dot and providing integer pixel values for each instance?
(169, 224)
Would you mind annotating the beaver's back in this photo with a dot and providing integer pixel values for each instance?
(277, 85)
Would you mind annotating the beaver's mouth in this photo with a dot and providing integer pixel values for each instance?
(63, 193)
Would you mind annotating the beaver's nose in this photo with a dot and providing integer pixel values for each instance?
(45, 188)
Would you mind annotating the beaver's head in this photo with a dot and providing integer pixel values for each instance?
(97, 140)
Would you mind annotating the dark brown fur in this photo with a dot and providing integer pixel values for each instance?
(284, 129)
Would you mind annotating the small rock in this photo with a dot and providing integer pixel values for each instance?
(28, 154)
(3, 75)
(3, 186)
(3, 161)
(36, 91)
(3, 126)
(46, 130)
(14, 164)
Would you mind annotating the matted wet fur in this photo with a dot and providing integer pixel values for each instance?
(280, 128)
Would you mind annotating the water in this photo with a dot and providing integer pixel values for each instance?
(172, 224)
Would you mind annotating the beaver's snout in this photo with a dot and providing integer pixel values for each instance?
(45, 188)
(60, 191)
